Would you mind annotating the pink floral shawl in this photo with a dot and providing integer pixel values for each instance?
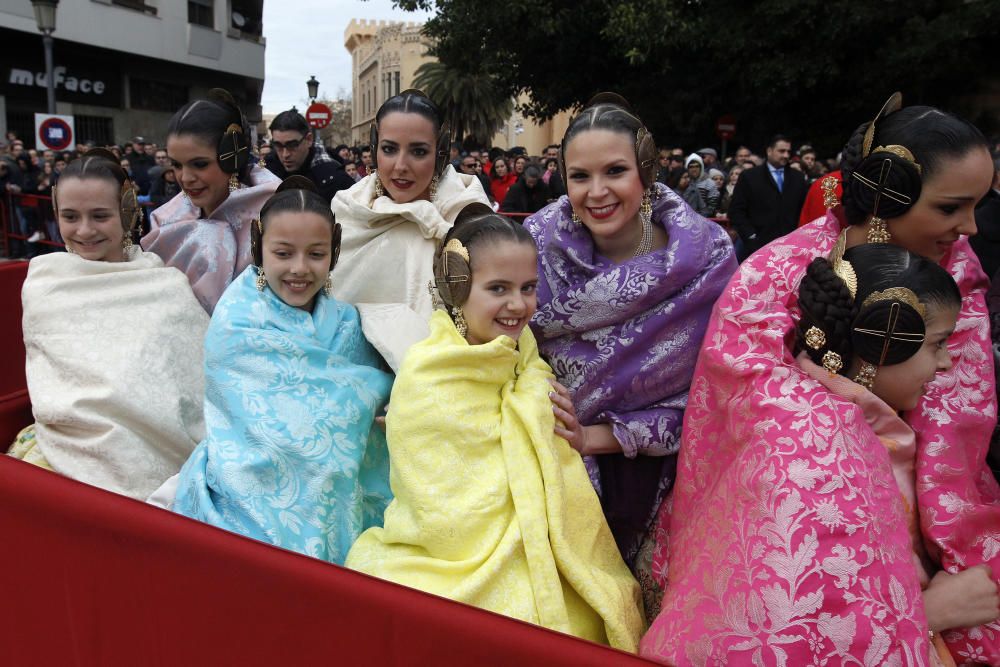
(211, 252)
(788, 540)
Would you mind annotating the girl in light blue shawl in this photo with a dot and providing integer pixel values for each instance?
(292, 454)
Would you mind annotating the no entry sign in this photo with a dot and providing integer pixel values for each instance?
(53, 133)
(318, 115)
(725, 127)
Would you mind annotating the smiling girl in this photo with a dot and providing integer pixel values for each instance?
(291, 456)
(113, 341)
(912, 176)
(394, 218)
(492, 508)
(205, 230)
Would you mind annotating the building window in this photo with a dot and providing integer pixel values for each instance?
(156, 95)
(137, 5)
(397, 83)
(201, 12)
(99, 129)
(246, 16)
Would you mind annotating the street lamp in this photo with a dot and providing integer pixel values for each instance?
(313, 85)
(45, 17)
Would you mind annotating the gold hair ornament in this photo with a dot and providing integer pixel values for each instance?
(815, 338)
(832, 362)
(903, 294)
(841, 267)
(829, 187)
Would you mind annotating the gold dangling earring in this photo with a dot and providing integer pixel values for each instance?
(434, 187)
(328, 286)
(575, 218)
(127, 242)
(234, 183)
(460, 323)
(379, 190)
(261, 279)
(646, 220)
(878, 231)
(866, 376)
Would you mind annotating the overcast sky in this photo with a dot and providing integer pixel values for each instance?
(306, 37)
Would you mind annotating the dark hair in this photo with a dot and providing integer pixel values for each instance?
(776, 138)
(410, 101)
(296, 194)
(826, 302)
(930, 134)
(207, 119)
(603, 116)
(290, 121)
(477, 225)
(532, 171)
(550, 160)
(493, 171)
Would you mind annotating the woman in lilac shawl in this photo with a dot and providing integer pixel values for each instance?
(628, 275)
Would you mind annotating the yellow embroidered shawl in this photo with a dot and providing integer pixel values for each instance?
(491, 508)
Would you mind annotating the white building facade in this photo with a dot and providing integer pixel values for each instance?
(123, 67)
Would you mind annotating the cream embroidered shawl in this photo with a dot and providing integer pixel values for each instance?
(387, 257)
(114, 366)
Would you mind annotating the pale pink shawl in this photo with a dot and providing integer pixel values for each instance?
(788, 542)
(211, 252)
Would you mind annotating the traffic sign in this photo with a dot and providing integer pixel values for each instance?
(53, 133)
(318, 115)
(725, 127)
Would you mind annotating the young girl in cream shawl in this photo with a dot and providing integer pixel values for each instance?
(880, 316)
(491, 508)
(292, 455)
(113, 341)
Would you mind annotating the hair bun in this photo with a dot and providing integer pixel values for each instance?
(297, 182)
(895, 174)
(875, 318)
(607, 97)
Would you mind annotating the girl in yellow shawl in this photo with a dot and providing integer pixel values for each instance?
(491, 507)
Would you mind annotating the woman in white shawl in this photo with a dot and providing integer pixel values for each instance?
(113, 341)
(393, 220)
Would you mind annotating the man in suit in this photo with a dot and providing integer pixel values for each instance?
(767, 200)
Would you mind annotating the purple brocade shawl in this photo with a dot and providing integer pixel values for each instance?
(624, 339)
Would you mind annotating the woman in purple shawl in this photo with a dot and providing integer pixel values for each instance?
(628, 277)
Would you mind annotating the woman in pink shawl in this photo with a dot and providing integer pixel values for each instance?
(783, 546)
(205, 230)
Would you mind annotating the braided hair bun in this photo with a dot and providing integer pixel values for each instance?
(827, 304)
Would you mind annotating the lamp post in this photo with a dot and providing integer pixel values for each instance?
(313, 86)
(45, 17)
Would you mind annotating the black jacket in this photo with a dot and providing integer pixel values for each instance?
(328, 175)
(522, 199)
(759, 212)
(986, 242)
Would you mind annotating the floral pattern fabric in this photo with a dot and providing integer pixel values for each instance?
(212, 251)
(786, 540)
(624, 338)
(491, 508)
(292, 455)
(114, 369)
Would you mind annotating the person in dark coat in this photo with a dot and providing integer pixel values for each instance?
(528, 194)
(294, 153)
(986, 242)
(767, 200)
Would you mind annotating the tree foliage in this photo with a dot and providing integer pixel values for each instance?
(473, 103)
(813, 69)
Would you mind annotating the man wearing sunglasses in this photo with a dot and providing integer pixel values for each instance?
(293, 153)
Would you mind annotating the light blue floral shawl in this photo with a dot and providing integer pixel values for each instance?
(292, 455)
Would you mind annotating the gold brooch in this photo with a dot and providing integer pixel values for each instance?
(815, 338)
(832, 362)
